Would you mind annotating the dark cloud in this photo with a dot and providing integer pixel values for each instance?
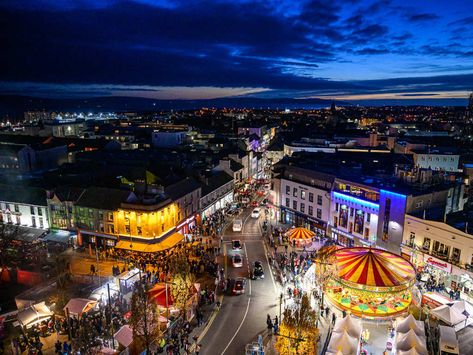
(422, 17)
(371, 51)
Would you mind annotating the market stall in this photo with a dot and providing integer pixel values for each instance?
(370, 282)
(78, 306)
(33, 315)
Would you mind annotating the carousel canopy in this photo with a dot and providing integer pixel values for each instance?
(300, 233)
(373, 267)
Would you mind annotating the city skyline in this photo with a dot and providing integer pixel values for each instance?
(345, 50)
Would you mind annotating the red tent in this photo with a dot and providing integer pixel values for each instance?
(158, 294)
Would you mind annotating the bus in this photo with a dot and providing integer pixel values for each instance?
(448, 342)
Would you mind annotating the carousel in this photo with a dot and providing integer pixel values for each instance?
(301, 236)
(370, 282)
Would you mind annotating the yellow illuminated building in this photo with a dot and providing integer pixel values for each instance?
(146, 221)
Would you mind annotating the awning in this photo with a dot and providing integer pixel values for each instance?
(58, 236)
(165, 244)
(77, 306)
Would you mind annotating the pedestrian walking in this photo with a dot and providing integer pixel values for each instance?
(197, 348)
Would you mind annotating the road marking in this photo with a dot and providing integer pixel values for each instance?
(248, 264)
(270, 269)
(239, 327)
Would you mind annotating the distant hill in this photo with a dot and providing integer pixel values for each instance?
(15, 105)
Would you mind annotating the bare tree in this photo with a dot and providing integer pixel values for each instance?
(144, 319)
(8, 233)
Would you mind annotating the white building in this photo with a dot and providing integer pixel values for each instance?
(24, 206)
(445, 248)
(217, 193)
(437, 159)
(305, 198)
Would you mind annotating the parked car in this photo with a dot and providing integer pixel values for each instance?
(254, 203)
(237, 225)
(237, 260)
(258, 272)
(239, 286)
(256, 212)
(236, 244)
(245, 200)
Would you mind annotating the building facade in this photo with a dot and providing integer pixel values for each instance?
(305, 198)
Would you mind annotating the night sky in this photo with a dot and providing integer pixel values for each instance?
(205, 49)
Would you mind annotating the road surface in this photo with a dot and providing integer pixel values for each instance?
(242, 318)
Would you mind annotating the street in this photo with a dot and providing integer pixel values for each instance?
(243, 317)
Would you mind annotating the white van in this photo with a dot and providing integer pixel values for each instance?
(448, 342)
(237, 225)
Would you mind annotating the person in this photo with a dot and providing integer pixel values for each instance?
(334, 317)
(92, 269)
(276, 321)
(269, 323)
(197, 349)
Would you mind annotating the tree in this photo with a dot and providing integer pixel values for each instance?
(63, 279)
(8, 234)
(182, 283)
(144, 319)
(298, 332)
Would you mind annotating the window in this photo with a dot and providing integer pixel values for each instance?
(311, 197)
(17, 208)
(111, 229)
(110, 243)
(33, 221)
(288, 202)
(294, 192)
(91, 212)
(319, 213)
(294, 205)
(368, 217)
(311, 210)
(127, 229)
(367, 233)
(288, 190)
(31, 209)
(302, 207)
(456, 255)
(319, 200)
(40, 211)
(110, 216)
(7, 206)
(41, 223)
(412, 238)
(18, 219)
(101, 227)
(138, 230)
(303, 194)
(162, 227)
(426, 244)
(336, 206)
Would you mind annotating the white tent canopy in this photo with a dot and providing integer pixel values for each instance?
(348, 324)
(34, 314)
(77, 306)
(462, 307)
(448, 314)
(342, 343)
(409, 340)
(124, 335)
(411, 351)
(409, 323)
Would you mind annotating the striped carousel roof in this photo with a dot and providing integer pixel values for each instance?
(373, 267)
(300, 233)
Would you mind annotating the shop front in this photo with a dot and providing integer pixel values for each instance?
(94, 240)
(219, 204)
(186, 226)
(300, 220)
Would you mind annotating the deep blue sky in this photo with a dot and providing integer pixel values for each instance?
(200, 49)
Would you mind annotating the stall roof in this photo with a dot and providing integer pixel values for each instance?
(34, 314)
(58, 236)
(124, 335)
(77, 306)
